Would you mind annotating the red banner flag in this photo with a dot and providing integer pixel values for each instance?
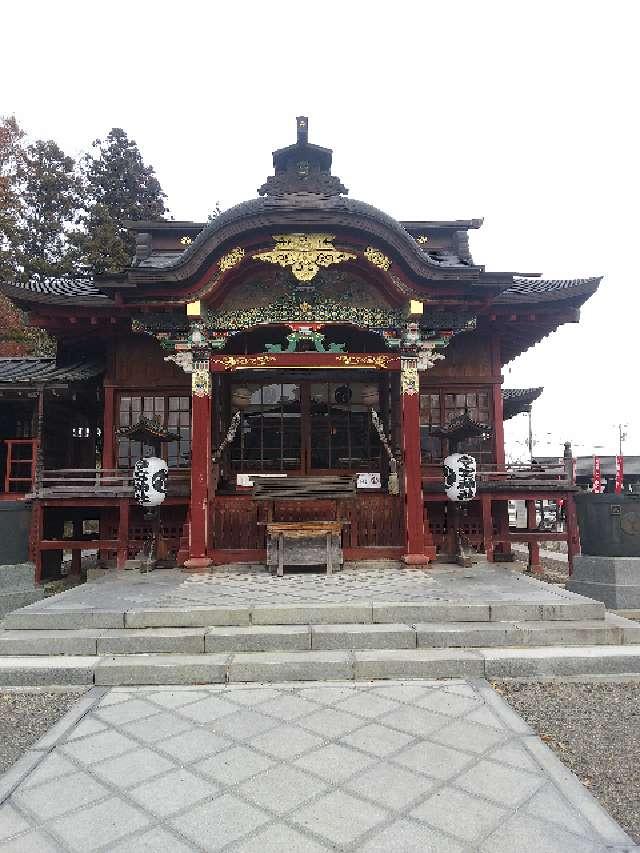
(619, 474)
(597, 479)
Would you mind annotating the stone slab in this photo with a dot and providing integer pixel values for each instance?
(161, 669)
(258, 638)
(420, 663)
(188, 641)
(520, 634)
(410, 612)
(65, 620)
(629, 628)
(187, 617)
(292, 666)
(556, 661)
(324, 637)
(573, 610)
(80, 642)
(41, 671)
(311, 614)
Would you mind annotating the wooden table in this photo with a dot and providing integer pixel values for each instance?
(281, 531)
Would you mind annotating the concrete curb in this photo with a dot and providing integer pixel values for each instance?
(28, 762)
(577, 795)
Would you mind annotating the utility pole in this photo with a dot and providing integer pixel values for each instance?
(622, 436)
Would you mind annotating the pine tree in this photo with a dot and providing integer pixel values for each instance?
(119, 186)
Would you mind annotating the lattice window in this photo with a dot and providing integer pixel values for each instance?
(439, 407)
(173, 412)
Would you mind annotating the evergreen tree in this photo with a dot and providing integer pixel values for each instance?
(119, 186)
(52, 200)
(12, 156)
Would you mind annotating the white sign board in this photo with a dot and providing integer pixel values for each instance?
(369, 481)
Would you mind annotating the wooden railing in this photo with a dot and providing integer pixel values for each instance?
(20, 469)
(554, 472)
(516, 474)
(101, 482)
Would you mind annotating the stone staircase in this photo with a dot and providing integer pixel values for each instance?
(323, 641)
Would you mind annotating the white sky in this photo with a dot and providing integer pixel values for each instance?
(519, 112)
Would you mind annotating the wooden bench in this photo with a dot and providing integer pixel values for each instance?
(288, 543)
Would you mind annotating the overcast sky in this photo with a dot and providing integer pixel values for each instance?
(524, 113)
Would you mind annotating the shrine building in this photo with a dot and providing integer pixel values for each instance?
(303, 356)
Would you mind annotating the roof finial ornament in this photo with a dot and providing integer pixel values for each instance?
(302, 123)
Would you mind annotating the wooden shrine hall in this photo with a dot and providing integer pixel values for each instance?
(296, 342)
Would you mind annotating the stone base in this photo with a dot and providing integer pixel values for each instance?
(613, 580)
(197, 564)
(17, 587)
(420, 559)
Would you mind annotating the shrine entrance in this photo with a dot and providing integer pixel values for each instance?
(306, 427)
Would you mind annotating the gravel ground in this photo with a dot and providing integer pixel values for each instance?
(25, 716)
(555, 571)
(594, 728)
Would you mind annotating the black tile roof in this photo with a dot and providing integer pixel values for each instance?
(60, 292)
(548, 289)
(34, 370)
(517, 400)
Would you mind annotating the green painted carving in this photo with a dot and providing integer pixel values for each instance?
(295, 338)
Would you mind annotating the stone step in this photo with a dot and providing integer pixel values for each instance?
(367, 665)
(566, 607)
(613, 630)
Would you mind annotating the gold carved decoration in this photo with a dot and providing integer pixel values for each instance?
(233, 362)
(422, 239)
(409, 380)
(201, 379)
(304, 253)
(377, 258)
(381, 361)
(231, 259)
(186, 241)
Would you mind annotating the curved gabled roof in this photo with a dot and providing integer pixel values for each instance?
(315, 212)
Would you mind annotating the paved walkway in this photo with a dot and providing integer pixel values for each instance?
(445, 767)
(482, 583)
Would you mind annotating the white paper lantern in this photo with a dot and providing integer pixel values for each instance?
(460, 477)
(150, 481)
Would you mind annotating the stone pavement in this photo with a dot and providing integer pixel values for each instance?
(440, 766)
(169, 589)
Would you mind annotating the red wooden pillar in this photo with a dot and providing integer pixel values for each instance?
(535, 565)
(504, 542)
(420, 549)
(498, 408)
(200, 467)
(108, 456)
(76, 553)
(122, 553)
(573, 535)
(487, 526)
(37, 534)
